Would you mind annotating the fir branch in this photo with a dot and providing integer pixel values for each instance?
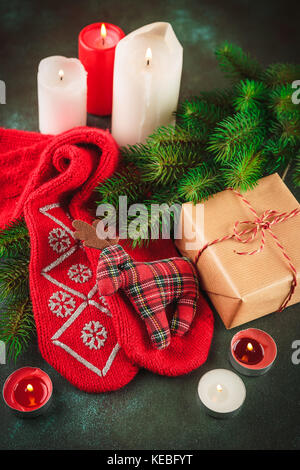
(281, 74)
(126, 182)
(162, 209)
(164, 195)
(280, 101)
(175, 135)
(199, 114)
(135, 154)
(277, 154)
(165, 164)
(287, 130)
(141, 229)
(14, 239)
(199, 183)
(244, 171)
(250, 95)
(237, 134)
(14, 278)
(222, 98)
(236, 64)
(17, 327)
(296, 171)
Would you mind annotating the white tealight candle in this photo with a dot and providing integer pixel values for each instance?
(222, 392)
(62, 94)
(147, 75)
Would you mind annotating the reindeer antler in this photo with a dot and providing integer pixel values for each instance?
(88, 234)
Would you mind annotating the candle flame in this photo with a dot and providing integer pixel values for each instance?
(250, 347)
(103, 31)
(148, 55)
(29, 388)
(219, 388)
(61, 74)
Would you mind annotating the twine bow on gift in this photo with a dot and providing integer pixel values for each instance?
(259, 225)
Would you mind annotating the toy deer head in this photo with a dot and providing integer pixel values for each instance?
(113, 259)
(88, 234)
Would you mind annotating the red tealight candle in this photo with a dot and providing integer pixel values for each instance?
(252, 352)
(96, 51)
(28, 391)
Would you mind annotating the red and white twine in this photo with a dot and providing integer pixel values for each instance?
(260, 224)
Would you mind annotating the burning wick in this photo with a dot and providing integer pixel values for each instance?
(61, 74)
(29, 388)
(148, 56)
(249, 348)
(103, 33)
(219, 388)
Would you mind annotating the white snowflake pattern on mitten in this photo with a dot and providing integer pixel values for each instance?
(94, 335)
(59, 240)
(61, 304)
(79, 273)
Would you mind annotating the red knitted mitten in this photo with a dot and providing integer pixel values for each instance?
(51, 180)
(74, 325)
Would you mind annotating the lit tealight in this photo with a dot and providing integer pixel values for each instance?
(221, 392)
(148, 55)
(28, 392)
(252, 352)
(61, 74)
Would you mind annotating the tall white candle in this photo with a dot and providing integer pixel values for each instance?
(62, 94)
(147, 75)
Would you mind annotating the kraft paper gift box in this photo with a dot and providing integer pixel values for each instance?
(244, 287)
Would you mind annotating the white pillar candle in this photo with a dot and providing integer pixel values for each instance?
(147, 75)
(62, 94)
(222, 392)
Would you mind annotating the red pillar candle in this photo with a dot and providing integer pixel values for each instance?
(96, 51)
(28, 391)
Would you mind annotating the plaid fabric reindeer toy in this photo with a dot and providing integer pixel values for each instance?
(150, 286)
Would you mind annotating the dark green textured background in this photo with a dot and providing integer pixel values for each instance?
(154, 412)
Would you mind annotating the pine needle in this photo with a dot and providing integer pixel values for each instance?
(296, 172)
(135, 154)
(236, 64)
(250, 95)
(199, 183)
(14, 239)
(281, 74)
(17, 327)
(277, 153)
(14, 278)
(236, 134)
(125, 182)
(287, 130)
(199, 114)
(222, 98)
(280, 101)
(244, 172)
(165, 164)
(170, 135)
(162, 209)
